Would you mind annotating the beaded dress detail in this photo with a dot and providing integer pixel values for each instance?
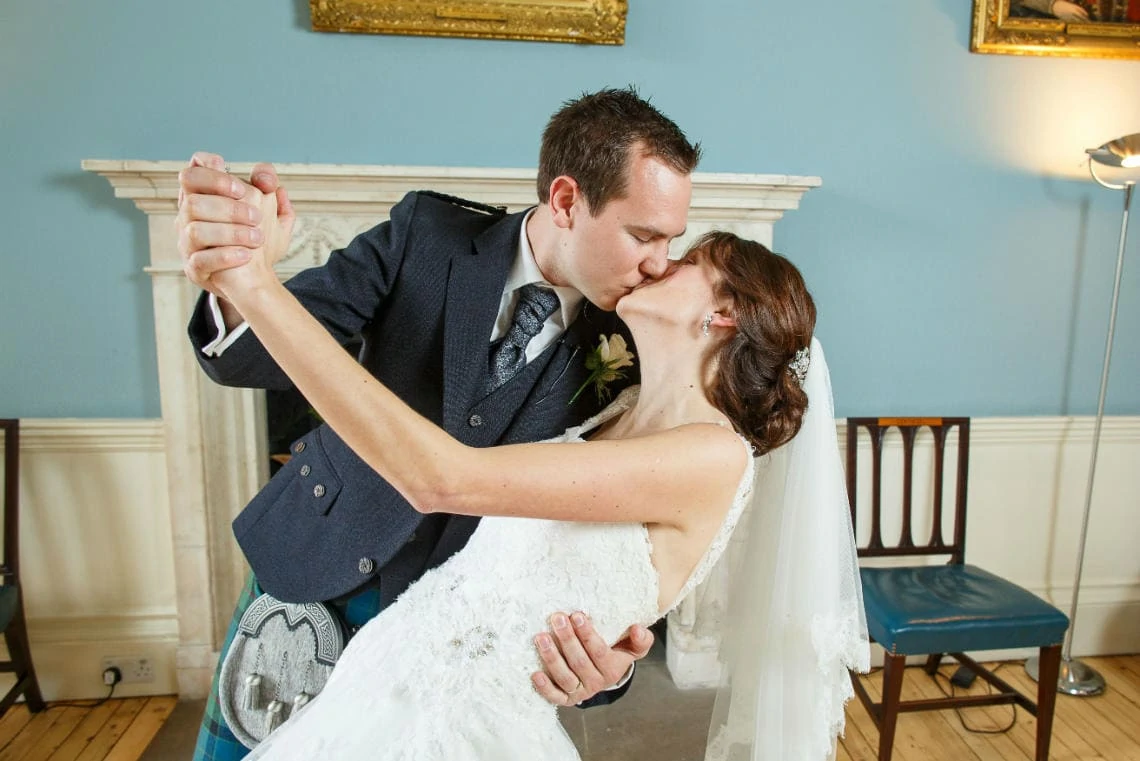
(444, 672)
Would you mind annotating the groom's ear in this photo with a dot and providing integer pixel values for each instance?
(564, 195)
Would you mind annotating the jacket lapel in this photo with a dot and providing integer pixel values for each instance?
(546, 410)
(571, 347)
(474, 287)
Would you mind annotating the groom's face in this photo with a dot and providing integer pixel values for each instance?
(625, 243)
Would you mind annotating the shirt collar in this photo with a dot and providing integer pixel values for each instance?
(525, 271)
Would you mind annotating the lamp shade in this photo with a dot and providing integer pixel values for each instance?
(1122, 152)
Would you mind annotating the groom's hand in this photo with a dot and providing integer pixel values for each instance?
(577, 661)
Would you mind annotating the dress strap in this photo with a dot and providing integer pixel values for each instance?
(720, 541)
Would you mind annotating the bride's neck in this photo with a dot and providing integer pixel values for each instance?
(672, 394)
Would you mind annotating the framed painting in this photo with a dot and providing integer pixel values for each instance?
(1072, 28)
(598, 22)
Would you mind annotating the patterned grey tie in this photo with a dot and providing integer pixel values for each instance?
(508, 354)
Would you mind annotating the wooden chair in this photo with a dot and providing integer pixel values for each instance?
(947, 609)
(11, 603)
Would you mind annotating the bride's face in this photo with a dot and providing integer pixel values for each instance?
(683, 296)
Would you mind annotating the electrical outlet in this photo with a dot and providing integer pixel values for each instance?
(133, 668)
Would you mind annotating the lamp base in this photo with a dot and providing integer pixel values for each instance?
(1074, 678)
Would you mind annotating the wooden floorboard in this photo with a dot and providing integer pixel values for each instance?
(1088, 720)
(84, 734)
(1103, 728)
(115, 730)
(65, 724)
(104, 742)
(30, 735)
(13, 723)
(144, 727)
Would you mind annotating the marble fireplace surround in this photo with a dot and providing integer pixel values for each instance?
(215, 437)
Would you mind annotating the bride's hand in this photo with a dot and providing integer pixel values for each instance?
(277, 219)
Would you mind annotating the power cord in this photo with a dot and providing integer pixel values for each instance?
(960, 675)
(111, 677)
(951, 694)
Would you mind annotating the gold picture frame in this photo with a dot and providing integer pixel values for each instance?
(598, 22)
(996, 31)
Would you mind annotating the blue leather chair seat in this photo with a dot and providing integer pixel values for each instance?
(953, 609)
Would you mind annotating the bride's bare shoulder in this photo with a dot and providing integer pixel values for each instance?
(715, 443)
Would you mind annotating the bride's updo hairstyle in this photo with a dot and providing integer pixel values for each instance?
(775, 317)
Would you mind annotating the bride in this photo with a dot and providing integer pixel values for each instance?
(620, 517)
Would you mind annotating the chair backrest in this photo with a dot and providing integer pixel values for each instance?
(909, 427)
(10, 562)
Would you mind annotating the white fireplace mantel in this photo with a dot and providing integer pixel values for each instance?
(215, 437)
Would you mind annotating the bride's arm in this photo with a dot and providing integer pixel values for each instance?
(674, 477)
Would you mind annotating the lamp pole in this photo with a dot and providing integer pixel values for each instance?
(1076, 677)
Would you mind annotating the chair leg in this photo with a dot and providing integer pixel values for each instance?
(19, 650)
(893, 666)
(1049, 667)
(933, 661)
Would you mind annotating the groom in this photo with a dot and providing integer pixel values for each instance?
(481, 321)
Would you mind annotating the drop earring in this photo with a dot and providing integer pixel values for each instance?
(706, 323)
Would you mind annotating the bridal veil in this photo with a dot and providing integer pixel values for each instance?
(794, 610)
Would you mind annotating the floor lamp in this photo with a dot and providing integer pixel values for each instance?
(1077, 678)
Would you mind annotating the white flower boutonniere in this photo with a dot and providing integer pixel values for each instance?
(605, 363)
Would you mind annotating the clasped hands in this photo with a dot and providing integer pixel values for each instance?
(230, 234)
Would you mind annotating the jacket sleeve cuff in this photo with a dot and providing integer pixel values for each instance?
(610, 694)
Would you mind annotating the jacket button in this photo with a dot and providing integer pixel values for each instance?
(475, 421)
(365, 566)
(319, 490)
(306, 470)
(299, 447)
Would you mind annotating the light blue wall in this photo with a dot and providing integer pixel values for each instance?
(955, 273)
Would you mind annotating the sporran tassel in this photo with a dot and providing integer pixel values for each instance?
(251, 692)
(274, 715)
(300, 700)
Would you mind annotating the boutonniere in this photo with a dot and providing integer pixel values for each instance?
(605, 362)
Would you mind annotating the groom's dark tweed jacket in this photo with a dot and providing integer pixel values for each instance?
(423, 290)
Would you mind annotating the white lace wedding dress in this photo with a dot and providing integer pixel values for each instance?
(444, 673)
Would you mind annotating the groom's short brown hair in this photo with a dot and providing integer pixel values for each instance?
(590, 139)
